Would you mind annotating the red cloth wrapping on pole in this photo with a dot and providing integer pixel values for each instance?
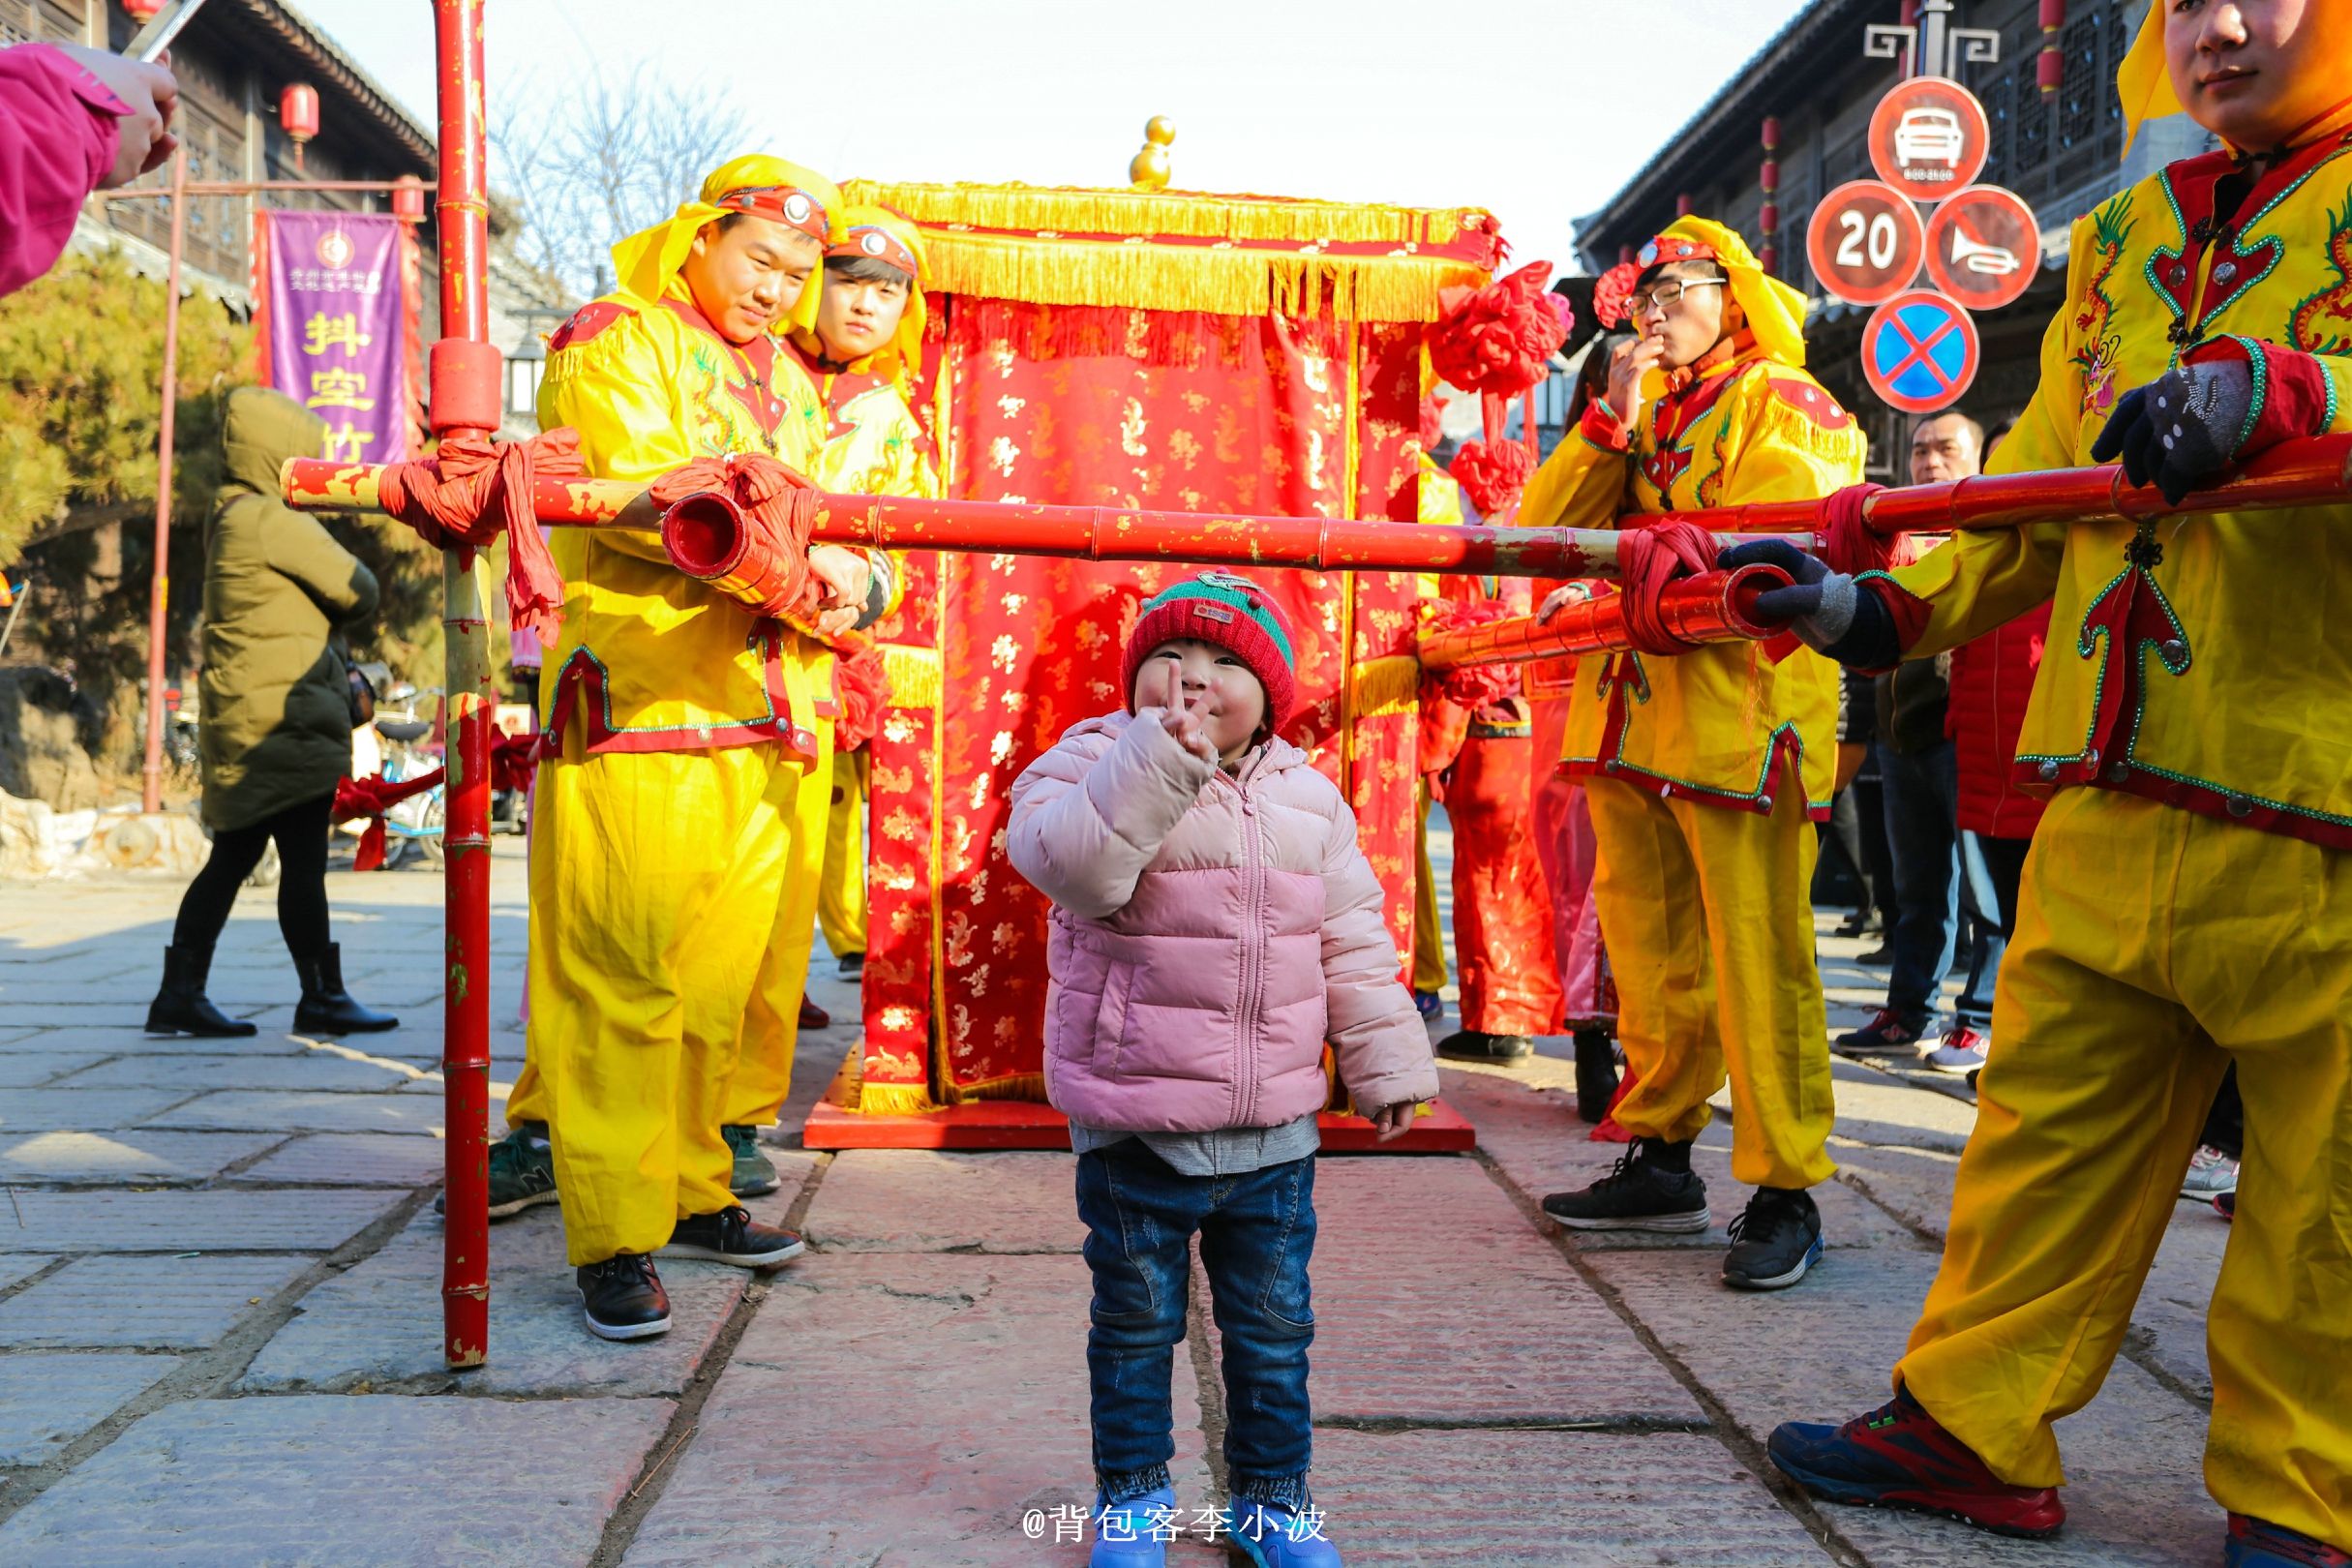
(372, 797)
(472, 490)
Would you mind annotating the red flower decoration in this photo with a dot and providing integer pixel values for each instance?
(1492, 473)
(1498, 340)
(1613, 293)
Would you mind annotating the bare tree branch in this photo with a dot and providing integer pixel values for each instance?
(586, 164)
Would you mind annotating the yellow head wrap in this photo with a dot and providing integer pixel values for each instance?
(1775, 310)
(647, 263)
(2143, 81)
(903, 357)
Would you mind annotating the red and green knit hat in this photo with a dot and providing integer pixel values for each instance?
(1232, 612)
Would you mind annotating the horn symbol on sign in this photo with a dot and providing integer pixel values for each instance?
(1991, 260)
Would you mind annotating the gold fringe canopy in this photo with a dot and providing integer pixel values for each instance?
(1244, 256)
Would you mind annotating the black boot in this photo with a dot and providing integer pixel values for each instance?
(181, 1007)
(326, 1007)
(1596, 1075)
(1477, 1046)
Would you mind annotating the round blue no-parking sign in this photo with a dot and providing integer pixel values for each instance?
(1920, 351)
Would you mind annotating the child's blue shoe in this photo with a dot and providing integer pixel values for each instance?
(1272, 1536)
(1135, 1533)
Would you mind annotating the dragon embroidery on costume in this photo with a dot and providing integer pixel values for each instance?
(2322, 324)
(2098, 343)
(1710, 488)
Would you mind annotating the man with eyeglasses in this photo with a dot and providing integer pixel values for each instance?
(1706, 770)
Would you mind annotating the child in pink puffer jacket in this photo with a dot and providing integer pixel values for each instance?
(1214, 926)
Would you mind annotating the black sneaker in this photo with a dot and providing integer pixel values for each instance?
(1775, 1241)
(1638, 1194)
(754, 1172)
(522, 1172)
(1476, 1045)
(733, 1236)
(622, 1298)
(853, 966)
(1886, 1031)
(1880, 957)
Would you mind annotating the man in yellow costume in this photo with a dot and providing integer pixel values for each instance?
(860, 354)
(1706, 770)
(2185, 900)
(686, 726)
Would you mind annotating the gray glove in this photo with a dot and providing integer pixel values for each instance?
(2183, 428)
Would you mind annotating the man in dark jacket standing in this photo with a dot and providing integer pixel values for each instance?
(1940, 876)
(276, 721)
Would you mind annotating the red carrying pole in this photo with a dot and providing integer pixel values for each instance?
(1083, 532)
(2303, 473)
(1711, 607)
(158, 593)
(465, 400)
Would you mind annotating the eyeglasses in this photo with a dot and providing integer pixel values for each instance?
(1663, 296)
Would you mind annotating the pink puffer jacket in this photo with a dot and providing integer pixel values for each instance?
(1209, 934)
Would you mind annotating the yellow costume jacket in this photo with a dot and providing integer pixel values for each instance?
(873, 444)
(1709, 725)
(2200, 661)
(652, 659)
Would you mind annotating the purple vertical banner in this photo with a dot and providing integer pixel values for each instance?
(336, 323)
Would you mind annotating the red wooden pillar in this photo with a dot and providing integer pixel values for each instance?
(465, 400)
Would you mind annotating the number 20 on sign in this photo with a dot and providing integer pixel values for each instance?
(1865, 242)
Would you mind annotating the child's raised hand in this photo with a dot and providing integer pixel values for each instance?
(1390, 1121)
(1160, 686)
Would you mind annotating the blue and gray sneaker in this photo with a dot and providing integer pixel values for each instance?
(2257, 1542)
(1135, 1533)
(1272, 1536)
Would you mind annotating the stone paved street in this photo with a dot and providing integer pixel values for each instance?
(219, 1318)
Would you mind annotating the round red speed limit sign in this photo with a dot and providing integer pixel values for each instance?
(1928, 137)
(1983, 247)
(1865, 242)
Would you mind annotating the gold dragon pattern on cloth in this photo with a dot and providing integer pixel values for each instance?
(2185, 899)
(1704, 771)
(662, 828)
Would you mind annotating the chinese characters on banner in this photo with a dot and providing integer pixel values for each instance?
(336, 295)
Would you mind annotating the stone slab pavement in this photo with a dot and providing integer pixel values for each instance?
(219, 1318)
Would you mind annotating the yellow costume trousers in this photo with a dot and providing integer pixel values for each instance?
(655, 879)
(770, 1025)
(2145, 934)
(841, 894)
(1428, 937)
(1708, 922)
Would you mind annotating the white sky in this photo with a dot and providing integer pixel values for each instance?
(1538, 113)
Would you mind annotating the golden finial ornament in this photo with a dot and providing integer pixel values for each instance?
(1149, 168)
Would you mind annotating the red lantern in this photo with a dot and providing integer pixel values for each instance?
(299, 111)
(408, 199)
(141, 12)
(2050, 67)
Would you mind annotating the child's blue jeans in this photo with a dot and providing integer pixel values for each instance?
(1256, 1234)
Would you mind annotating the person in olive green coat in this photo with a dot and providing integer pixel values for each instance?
(277, 720)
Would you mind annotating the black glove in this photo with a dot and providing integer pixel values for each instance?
(2180, 430)
(1825, 609)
